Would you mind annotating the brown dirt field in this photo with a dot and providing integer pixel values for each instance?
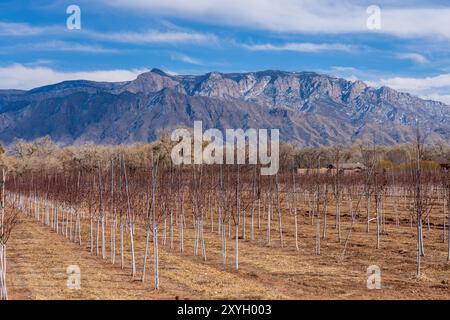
(38, 258)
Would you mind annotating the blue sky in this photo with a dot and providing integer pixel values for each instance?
(119, 39)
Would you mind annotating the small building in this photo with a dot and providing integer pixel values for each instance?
(356, 167)
(312, 170)
(328, 169)
(345, 168)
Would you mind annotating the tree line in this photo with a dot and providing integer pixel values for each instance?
(105, 198)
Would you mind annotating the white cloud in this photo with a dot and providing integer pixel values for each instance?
(303, 16)
(185, 58)
(415, 57)
(153, 36)
(22, 29)
(417, 84)
(41, 62)
(351, 73)
(146, 37)
(70, 47)
(170, 72)
(300, 47)
(433, 88)
(18, 76)
(280, 15)
(445, 98)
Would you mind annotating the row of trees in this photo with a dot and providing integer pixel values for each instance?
(42, 154)
(234, 202)
(105, 197)
(8, 218)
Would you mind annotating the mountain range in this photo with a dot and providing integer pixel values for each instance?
(309, 109)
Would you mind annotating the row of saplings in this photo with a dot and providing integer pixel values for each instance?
(230, 201)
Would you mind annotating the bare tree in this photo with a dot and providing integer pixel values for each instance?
(421, 195)
(8, 219)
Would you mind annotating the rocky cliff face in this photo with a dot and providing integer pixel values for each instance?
(308, 108)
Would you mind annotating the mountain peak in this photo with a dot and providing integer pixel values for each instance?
(151, 81)
(309, 108)
(160, 72)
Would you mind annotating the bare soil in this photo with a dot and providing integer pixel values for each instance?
(38, 258)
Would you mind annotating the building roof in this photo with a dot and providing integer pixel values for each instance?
(352, 166)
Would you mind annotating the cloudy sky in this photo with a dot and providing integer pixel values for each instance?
(119, 39)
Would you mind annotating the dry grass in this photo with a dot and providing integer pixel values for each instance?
(38, 259)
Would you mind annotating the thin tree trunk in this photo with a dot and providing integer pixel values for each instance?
(97, 238)
(91, 233)
(3, 289)
(171, 228)
(280, 222)
(296, 229)
(113, 239)
(156, 255)
(368, 212)
(237, 247)
(203, 241)
(378, 220)
(259, 214)
(122, 258)
(182, 230)
(252, 230)
(224, 244)
(448, 227)
(418, 255)
(133, 261)
(144, 263)
(269, 213)
(338, 216)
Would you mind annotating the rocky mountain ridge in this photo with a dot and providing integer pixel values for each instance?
(310, 109)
